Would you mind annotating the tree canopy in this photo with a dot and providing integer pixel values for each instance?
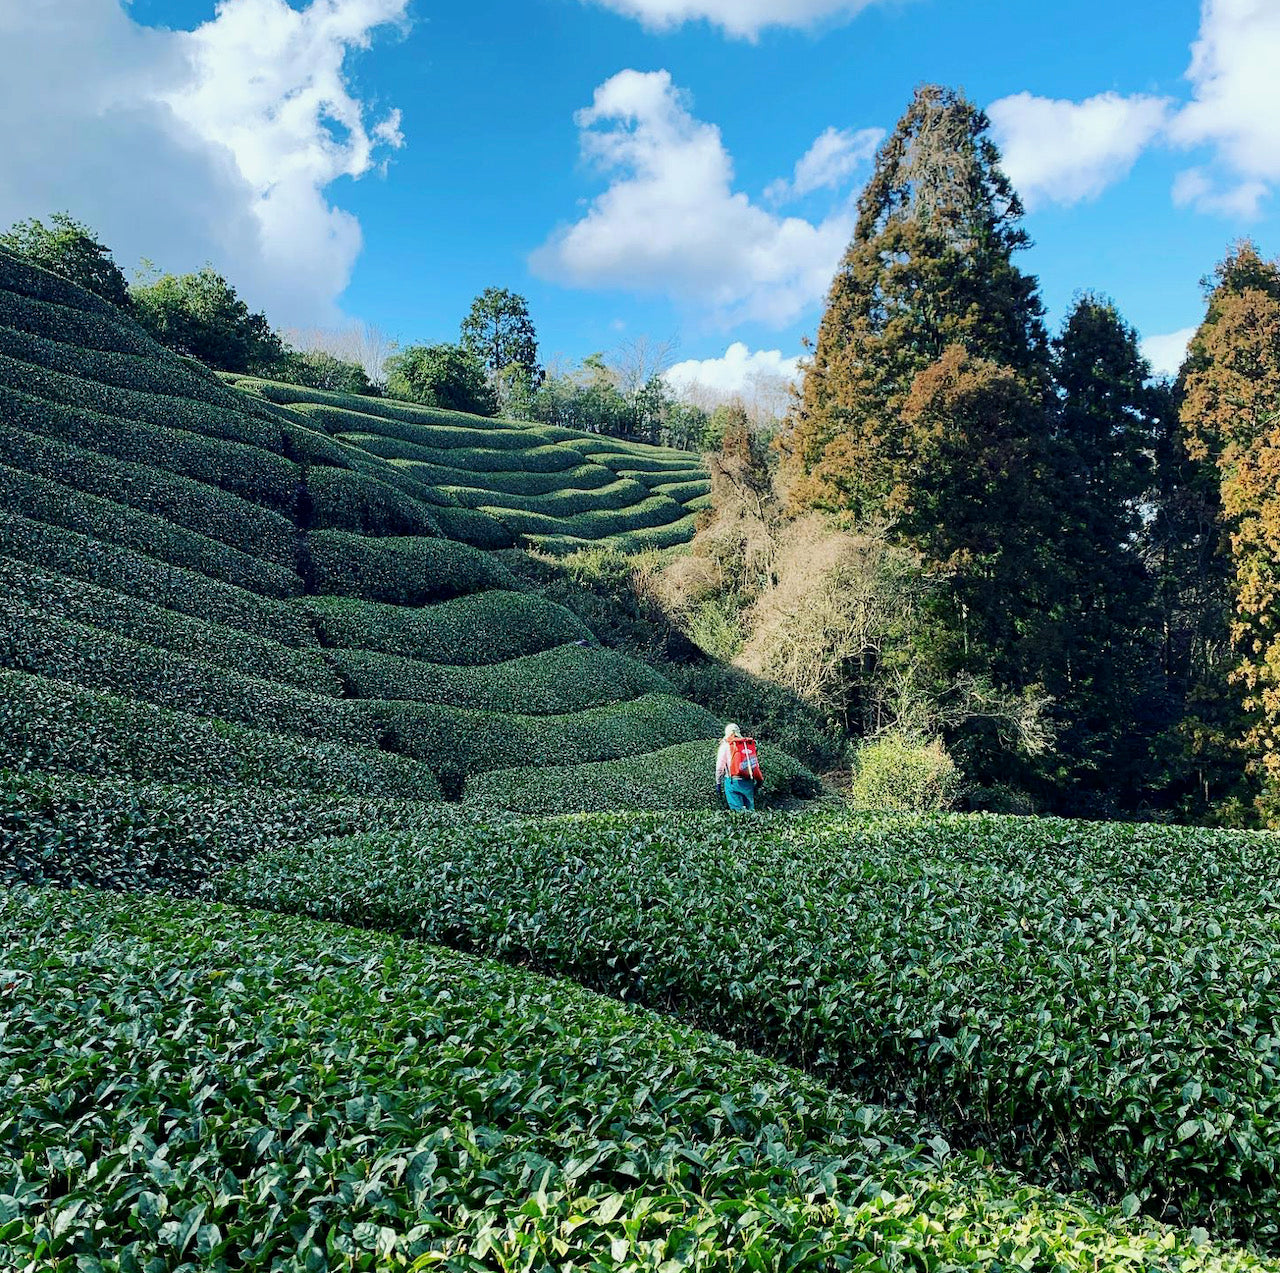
(499, 334)
(446, 376)
(71, 249)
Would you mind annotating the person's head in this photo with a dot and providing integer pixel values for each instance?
(731, 732)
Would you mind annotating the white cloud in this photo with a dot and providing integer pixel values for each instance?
(742, 18)
(1165, 353)
(738, 371)
(671, 223)
(828, 163)
(184, 146)
(1236, 200)
(1064, 152)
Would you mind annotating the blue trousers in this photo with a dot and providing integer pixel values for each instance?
(740, 795)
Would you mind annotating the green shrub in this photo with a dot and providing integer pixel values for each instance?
(598, 524)
(210, 1088)
(20, 275)
(79, 832)
(1091, 1004)
(408, 572)
(895, 772)
(57, 596)
(104, 520)
(259, 476)
(49, 725)
(478, 459)
(87, 656)
(487, 627)
(195, 506)
(345, 500)
(626, 542)
(566, 678)
(582, 479)
(679, 777)
(465, 435)
(618, 496)
(135, 574)
(684, 492)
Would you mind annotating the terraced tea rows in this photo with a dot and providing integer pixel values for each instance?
(221, 588)
(195, 1087)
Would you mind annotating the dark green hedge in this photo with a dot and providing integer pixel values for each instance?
(57, 596)
(166, 410)
(470, 459)
(583, 477)
(684, 492)
(567, 678)
(137, 575)
(465, 431)
(345, 500)
(679, 777)
(471, 526)
(57, 321)
(222, 1090)
(645, 515)
(457, 743)
(677, 532)
(262, 477)
(618, 496)
(49, 725)
(104, 520)
(17, 274)
(1095, 1005)
(97, 659)
(98, 833)
(488, 627)
(407, 572)
(208, 510)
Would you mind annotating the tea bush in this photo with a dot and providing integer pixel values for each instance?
(194, 506)
(1095, 1004)
(470, 526)
(57, 321)
(486, 627)
(564, 502)
(135, 574)
(401, 571)
(58, 597)
(259, 476)
(679, 777)
(47, 724)
(86, 656)
(566, 678)
(345, 500)
(593, 525)
(99, 833)
(287, 1096)
(106, 521)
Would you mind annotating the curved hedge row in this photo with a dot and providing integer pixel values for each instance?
(458, 743)
(364, 429)
(566, 678)
(471, 526)
(135, 574)
(103, 520)
(679, 777)
(407, 572)
(584, 478)
(470, 631)
(600, 524)
(1092, 1004)
(96, 659)
(619, 495)
(99, 833)
(45, 724)
(205, 1087)
(57, 596)
(56, 320)
(195, 506)
(259, 476)
(18, 274)
(165, 410)
(342, 499)
(471, 459)
(683, 492)
(669, 536)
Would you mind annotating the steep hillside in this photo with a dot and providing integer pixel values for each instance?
(206, 587)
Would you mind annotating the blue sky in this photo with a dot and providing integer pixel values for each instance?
(187, 130)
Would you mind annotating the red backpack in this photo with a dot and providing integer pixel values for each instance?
(744, 760)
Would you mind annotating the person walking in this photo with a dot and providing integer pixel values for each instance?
(738, 770)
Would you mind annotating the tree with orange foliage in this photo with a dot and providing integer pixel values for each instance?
(1231, 416)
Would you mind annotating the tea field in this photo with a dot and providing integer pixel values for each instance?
(360, 909)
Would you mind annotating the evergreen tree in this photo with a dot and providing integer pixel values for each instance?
(930, 266)
(1231, 414)
(445, 376)
(66, 247)
(499, 334)
(1102, 661)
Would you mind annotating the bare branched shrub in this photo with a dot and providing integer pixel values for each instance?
(364, 344)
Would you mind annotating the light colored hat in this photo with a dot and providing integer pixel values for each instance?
(731, 731)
